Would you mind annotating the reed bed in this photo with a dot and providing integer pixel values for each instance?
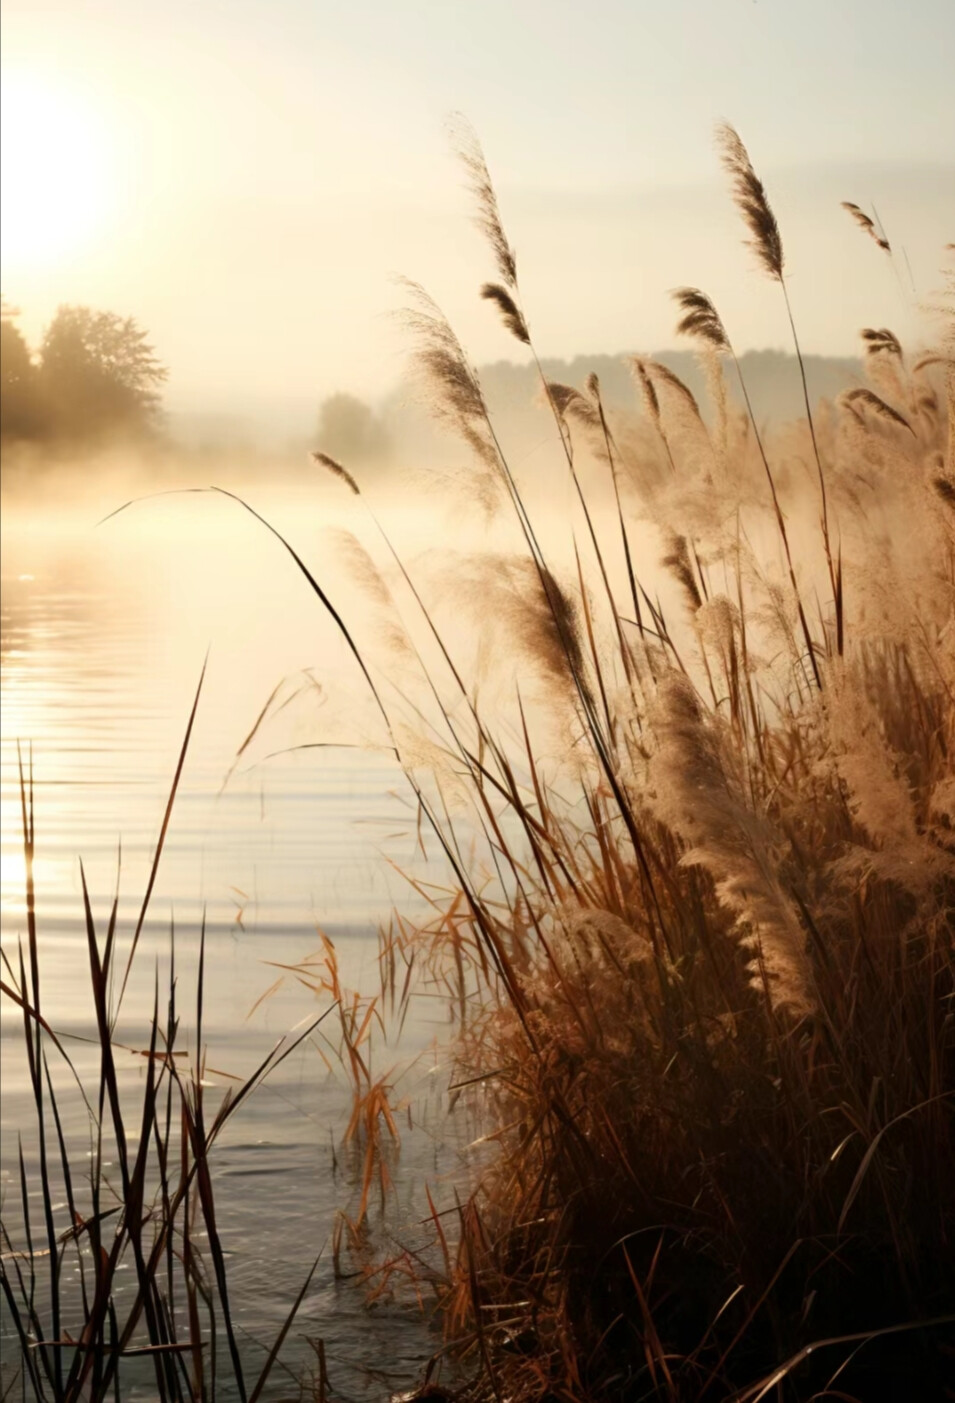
(703, 965)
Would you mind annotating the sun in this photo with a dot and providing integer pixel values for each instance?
(54, 173)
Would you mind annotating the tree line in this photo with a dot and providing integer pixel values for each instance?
(94, 376)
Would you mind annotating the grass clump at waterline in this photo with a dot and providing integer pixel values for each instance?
(140, 1200)
(705, 968)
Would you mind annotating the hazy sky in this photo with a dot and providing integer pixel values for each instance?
(246, 177)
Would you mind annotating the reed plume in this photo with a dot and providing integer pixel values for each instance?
(638, 368)
(861, 399)
(570, 403)
(866, 224)
(488, 215)
(677, 561)
(752, 201)
(511, 315)
(700, 318)
(766, 241)
(539, 612)
(729, 978)
(881, 339)
(885, 367)
(325, 461)
(450, 386)
(696, 790)
(657, 370)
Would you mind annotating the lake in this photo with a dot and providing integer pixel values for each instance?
(105, 630)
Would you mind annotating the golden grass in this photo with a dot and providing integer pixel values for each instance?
(701, 956)
(705, 977)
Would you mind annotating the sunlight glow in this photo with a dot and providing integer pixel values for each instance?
(54, 170)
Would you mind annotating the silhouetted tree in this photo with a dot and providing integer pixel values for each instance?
(349, 429)
(98, 375)
(19, 406)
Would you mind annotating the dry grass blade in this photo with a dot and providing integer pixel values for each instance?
(933, 358)
(154, 868)
(317, 589)
(263, 1378)
(765, 1387)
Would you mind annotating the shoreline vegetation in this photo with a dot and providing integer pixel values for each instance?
(698, 936)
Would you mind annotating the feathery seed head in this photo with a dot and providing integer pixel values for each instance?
(669, 378)
(700, 318)
(509, 310)
(570, 403)
(881, 339)
(325, 461)
(488, 215)
(861, 399)
(451, 385)
(677, 560)
(638, 368)
(865, 223)
(698, 791)
(752, 201)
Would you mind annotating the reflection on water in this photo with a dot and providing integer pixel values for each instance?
(104, 633)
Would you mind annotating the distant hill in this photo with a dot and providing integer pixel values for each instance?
(514, 398)
(513, 393)
(772, 378)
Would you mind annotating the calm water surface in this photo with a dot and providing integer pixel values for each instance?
(104, 633)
